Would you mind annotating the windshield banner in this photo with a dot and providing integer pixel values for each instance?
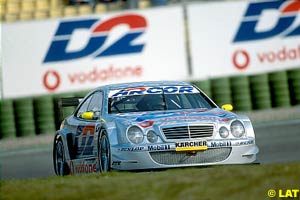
(153, 90)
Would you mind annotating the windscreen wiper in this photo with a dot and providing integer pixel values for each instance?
(164, 99)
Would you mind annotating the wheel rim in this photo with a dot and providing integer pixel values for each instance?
(59, 158)
(104, 154)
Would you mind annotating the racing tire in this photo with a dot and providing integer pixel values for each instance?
(104, 154)
(59, 159)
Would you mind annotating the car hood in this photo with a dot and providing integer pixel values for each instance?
(215, 115)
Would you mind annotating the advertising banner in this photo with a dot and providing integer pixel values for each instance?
(1, 85)
(234, 38)
(72, 54)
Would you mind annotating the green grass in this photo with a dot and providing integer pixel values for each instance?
(220, 182)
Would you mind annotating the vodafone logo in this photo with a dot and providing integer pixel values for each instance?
(97, 75)
(240, 59)
(51, 80)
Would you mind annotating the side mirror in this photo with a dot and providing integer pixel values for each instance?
(227, 107)
(88, 115)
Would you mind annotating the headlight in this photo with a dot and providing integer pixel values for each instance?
(152, 137)
(223, 132)
(135, 135)
(237, 129)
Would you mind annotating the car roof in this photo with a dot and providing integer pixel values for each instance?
(142, 84)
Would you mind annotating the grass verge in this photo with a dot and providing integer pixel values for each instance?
(219, 182)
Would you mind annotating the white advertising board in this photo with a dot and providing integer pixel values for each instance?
(1, 85)
(235, 38)
(72, 54)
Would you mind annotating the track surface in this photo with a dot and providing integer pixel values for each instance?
(278, 143)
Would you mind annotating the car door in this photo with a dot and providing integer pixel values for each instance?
(86, 129)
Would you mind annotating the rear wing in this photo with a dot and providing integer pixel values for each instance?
(70, 101)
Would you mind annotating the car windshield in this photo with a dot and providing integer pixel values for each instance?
(157, 98)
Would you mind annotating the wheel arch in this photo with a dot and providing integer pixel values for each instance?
(103, 129)
(67, 139)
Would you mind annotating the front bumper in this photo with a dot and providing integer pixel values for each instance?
(154, 156)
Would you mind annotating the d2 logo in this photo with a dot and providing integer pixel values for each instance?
(84, 139)
(99, 33)
(289, 10)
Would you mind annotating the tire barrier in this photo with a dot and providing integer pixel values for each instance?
(44, 114)
(221, 92)
(61, 112)
(204, 86)
(260, 91)
(81, 94)
(294, 86)
(7, 119)
(24, 117)
(39, 115)
(279, 89)
(241, 95)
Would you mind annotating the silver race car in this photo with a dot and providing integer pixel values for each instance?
(150, 125)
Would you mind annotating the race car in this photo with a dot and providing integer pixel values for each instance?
(150, 125)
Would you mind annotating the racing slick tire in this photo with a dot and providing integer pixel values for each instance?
(59, 159)
(104, 154)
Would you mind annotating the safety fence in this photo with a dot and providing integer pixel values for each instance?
(42, 114)
(255, 92)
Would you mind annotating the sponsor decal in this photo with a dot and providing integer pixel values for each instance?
(219, 144)
(229, 143)
(118, 163)
(83, 167)
(209, 118)
(159, 147)
(99, 32)
(85, 130)
(146, 123)
(186, 115)
(201, 145)
(247, 142)
(84, 139)
(284, 26)
(132, 148)
(191, 146)
(153, 90)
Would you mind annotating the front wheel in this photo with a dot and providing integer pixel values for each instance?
(104, 155)
(59, 158)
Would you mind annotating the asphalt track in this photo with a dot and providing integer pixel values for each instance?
(278, 143)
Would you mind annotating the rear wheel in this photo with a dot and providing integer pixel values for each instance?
(104, 155)
(59, 158)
